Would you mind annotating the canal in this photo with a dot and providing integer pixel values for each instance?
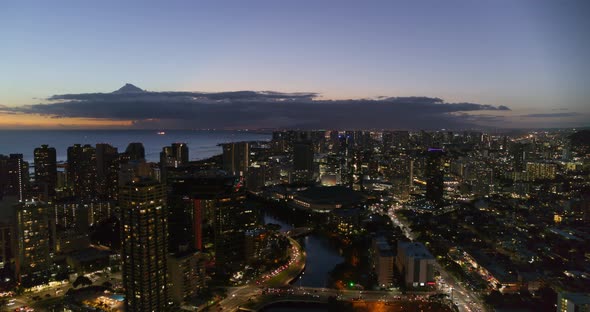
(322, 256)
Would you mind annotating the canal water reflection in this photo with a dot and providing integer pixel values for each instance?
(322, 256)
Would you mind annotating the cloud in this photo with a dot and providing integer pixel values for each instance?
(6, 110)
(550, 115)
(484, 119)
(257, 109)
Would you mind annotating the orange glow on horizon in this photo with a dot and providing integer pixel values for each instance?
(23, 121)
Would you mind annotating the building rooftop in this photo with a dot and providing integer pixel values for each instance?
(577, 298)
(329, 195)
(416, 250)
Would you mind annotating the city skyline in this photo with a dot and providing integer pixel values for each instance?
(441, 220)
(527, 56)
(333, 155)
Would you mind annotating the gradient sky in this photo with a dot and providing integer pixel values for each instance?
(531, 56)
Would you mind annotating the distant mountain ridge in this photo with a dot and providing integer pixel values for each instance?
(129, 88)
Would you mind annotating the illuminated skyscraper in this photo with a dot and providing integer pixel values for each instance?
(519, 153)
(415, 263)
(14, 176)
(144, 245)
(46, 167)
(32, 243)
(6, 246)
(540, 171)
(573, 302)
(82, 171)
(174, 155)
(180, 152)
(187, 275)
(107, 171)
(232, 220)
(236, 157)
(203, 205)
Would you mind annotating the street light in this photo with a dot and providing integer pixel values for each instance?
(300, 278)
(452, 289)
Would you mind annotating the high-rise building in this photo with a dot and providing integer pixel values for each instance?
(303, 156)
(236, 158)
(519, 153)
(254, 244)
(573, 302)
(82, 177)
(232, 220)
(14, 176)
(187, 275)
(434, 175)
(387, 140)
(383, 262)
(131, 169)
(180, 152)
(415, 263)
(256, 177)
(205, 210)
(144, 249)
(400, 138)
(174, 155)
(32, 243)
(46, 167)
(79, 215)
(540, 171)
(6, 247)
(279, 141)
(107, 171)
(135, 151)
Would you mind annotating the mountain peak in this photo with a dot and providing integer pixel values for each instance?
(129, 88)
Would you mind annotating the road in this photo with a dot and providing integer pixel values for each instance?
(284, 275)
(57, 290)
(465, 300)
(240, 296)
(26, 300)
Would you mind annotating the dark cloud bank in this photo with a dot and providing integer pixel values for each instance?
(251, 109)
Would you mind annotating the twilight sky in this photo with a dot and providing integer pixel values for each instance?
(386, 64)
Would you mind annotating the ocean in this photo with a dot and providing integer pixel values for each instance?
(201, 143)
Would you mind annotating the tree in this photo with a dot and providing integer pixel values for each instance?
(273, 227)
(82, 280)
(547, 297)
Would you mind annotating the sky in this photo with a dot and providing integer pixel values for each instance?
(383, 64)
